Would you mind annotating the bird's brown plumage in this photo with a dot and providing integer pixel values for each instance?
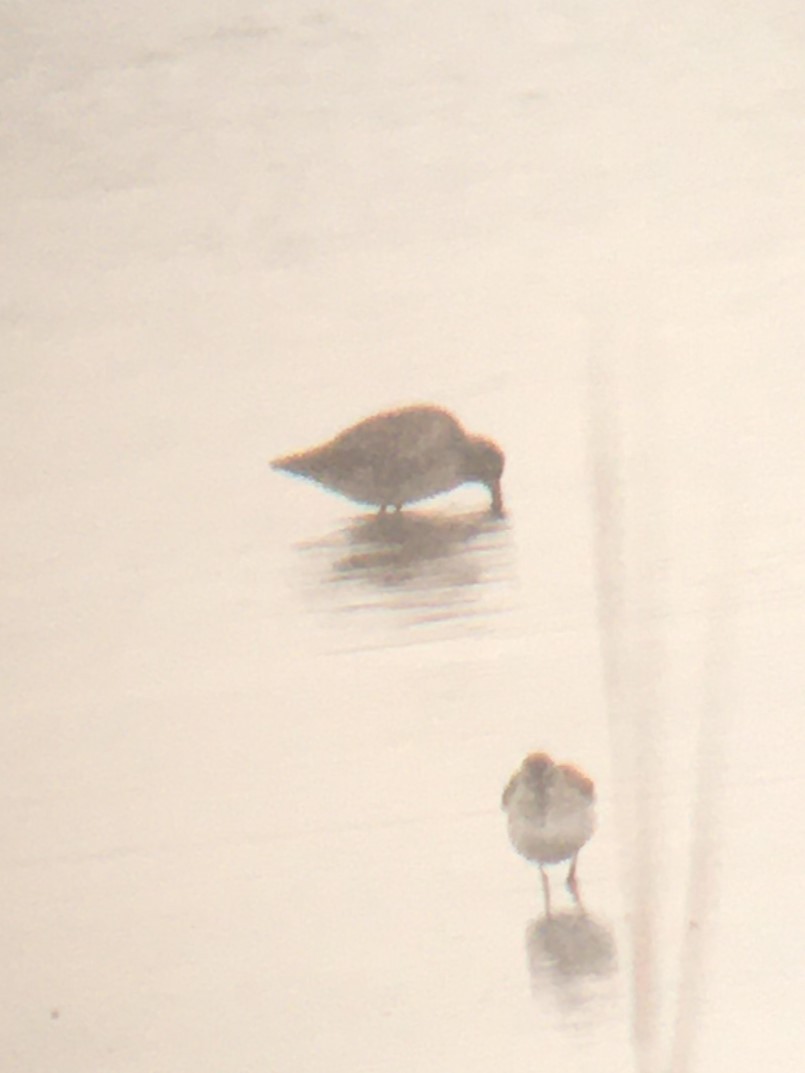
(399, 457)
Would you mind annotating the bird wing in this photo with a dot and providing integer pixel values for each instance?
(579, 781)
(507, 793)
(396, 444)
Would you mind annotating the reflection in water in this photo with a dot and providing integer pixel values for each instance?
(566, 952)
(432, 567)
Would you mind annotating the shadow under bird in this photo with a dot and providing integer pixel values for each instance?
(400, 457)
(551, 814)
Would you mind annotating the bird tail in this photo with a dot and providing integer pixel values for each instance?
(303, 465)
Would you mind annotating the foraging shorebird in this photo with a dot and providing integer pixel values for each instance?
(551, 815)
(400, 457)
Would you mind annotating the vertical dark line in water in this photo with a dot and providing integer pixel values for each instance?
(705, 820)
(649, 674)
(630, 696)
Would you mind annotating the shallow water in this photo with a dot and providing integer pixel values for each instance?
(256, 738)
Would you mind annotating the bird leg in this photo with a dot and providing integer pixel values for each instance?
(572, 883)
(546, 890)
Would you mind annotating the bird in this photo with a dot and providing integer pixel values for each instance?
(550, 815)
(401, 456)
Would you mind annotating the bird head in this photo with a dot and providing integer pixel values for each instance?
(536, 767)
(485, 462)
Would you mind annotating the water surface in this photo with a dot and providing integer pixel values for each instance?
(255, 737)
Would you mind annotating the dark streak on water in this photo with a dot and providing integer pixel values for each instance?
(426, 569)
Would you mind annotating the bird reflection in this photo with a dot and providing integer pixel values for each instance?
(432, 566)
(566, 950)
(391, 550)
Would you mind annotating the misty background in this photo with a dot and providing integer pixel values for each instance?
(253, 750)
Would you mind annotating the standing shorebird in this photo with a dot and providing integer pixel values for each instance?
(400, 457)
(551, 814)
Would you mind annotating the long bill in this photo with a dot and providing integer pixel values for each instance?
(497, 498)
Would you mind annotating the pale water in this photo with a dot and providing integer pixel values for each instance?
(255, 739)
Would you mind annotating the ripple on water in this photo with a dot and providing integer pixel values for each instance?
(437, 572)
